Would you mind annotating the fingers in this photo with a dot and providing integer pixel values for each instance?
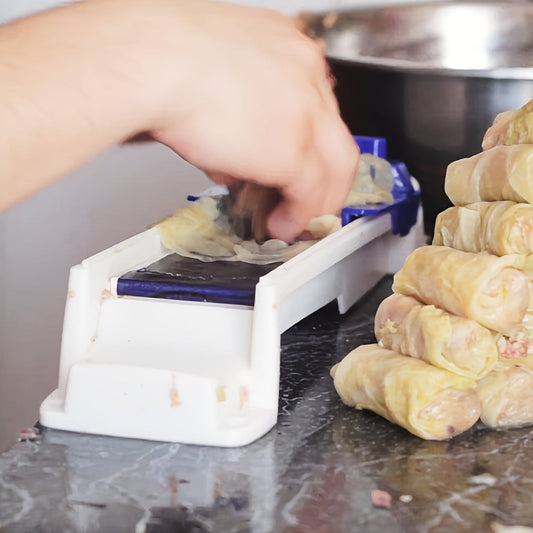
(316, 58)
(256, 202)
(330, 162)
(285, 222)
(312, 54)
(322, 186)
(315, 182)
(262, 111)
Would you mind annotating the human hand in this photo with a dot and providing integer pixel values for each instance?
(251, 100)
(237, 91)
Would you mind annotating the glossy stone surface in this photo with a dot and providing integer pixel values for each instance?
(314, 472)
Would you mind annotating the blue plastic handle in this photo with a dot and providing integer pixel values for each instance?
(404, 210)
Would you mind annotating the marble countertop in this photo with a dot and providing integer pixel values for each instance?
(314, 472)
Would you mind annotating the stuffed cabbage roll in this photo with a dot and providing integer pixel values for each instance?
(427, 401)
(499, 228)
(426, 332)
(501, 173)
(482, 287)
(506, 396)
(496, 132)
(511, 127)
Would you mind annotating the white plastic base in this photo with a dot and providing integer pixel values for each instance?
(197, 372)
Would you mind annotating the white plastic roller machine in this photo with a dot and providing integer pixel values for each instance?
(163, 347)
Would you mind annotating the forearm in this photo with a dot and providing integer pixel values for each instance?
(72, 85)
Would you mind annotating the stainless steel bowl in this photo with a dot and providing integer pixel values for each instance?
(430, 78)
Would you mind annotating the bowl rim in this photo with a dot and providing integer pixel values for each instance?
(415, 67)
(407, 67)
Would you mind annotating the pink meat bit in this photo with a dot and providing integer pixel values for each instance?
(510, 349)
(30, 434)
(381, 498)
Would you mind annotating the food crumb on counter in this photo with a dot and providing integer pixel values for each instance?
(483, 479)
(381, 498)
(30, 434)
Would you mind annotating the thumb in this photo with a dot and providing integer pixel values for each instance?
(285, 222)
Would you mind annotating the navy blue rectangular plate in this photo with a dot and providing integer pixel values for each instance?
(181, 278)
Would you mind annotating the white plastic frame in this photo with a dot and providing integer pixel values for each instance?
(196, 372)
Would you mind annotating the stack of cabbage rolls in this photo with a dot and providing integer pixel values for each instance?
(455, 339)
